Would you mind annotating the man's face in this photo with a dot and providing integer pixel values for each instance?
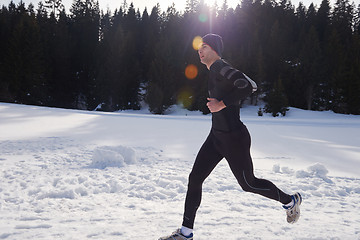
(207, 54)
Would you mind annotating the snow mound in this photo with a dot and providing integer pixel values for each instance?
(278, 169)
(69, 194)
(317, 170)
(108, 156)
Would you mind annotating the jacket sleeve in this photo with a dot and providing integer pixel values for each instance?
(242, 85)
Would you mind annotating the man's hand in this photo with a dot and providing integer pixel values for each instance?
(214, 105)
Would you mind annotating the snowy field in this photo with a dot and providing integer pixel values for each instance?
(67, 174)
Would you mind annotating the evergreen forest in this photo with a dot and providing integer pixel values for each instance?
(87, 58)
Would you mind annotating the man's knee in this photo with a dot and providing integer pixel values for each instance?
(248, 182)
(195, 179)
(246, 187)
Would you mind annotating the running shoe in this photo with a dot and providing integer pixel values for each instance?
(177, 235)
(293, 211)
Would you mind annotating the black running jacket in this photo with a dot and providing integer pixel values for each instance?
(231, 86)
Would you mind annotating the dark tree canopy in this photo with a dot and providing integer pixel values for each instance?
(304, 56)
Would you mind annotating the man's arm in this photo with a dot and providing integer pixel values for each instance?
(215, 105)
(243, 85)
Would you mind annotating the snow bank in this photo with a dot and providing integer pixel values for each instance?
(314, 171)
(317, 170)
(109, 156)
(67, 174)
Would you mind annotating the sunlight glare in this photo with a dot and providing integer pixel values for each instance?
(191, 71)
(203, 17)
(197, 42)
(185, 97)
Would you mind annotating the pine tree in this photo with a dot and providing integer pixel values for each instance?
(144, 42)
(260, 75)
(166, 66)
(150, 36)
(59, 61)
(353, 88)
(191, 6)
(311, 61)
(5, 29)
(342, 20)
(276, 100)
(119, 66)
(84, 32)
(109, 81)
(131, 65)
(322, 21)
(55, 6)
(336, 55)
(23, 62)
(357, 20)
(337, 47)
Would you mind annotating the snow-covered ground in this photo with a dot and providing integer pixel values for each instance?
(67, 174)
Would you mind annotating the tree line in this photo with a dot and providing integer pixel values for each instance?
(305, 57)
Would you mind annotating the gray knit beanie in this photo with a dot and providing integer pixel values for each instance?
(215, 42)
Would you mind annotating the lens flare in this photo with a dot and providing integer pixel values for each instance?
(203, 17)
(185, 97)
(197, 42)
(191, 71)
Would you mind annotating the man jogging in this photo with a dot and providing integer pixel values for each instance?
(228, 138)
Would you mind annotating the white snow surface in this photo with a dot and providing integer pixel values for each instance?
(69, 174)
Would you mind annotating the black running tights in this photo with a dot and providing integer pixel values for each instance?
(235, 148)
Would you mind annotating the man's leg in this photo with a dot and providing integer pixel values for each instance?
(238, 156)
(205, 162)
